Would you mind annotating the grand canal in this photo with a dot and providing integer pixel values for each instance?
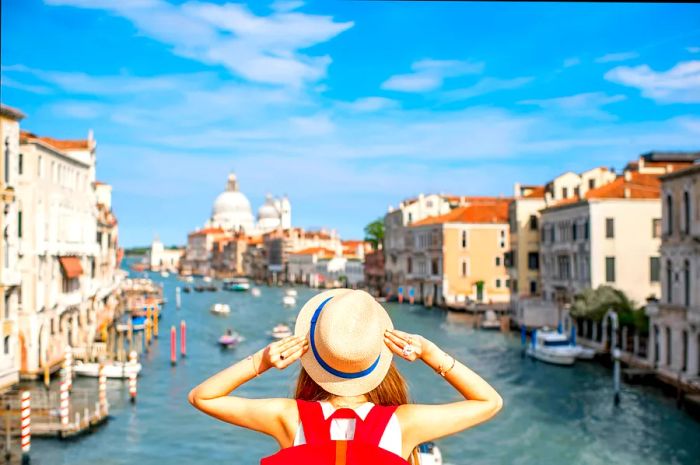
(552, 415)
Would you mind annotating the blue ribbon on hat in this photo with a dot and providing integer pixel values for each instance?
(319, 359)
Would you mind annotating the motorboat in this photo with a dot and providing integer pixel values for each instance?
(221, 309)
(206, 279)
(230, 339)
(281, 331)
(211, 288)
(429, 454)
(255, 292)
(187, 289)
(116, 370)
(188, 279)
(236, 284)
(552, 347)
(289, 301)
(164, 274)
(490, 321)
(199, 288)
(291, 292)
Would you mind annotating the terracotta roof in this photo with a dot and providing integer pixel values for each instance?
(206, 231)
(322, 251)
(494, 212)
(67, 144)
(536, 192)
(568, 201)
(10, 112)
(255, 240)
(638, 186)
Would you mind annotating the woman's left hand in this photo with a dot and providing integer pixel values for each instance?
(410, 347)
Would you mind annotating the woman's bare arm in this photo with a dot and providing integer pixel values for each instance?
(264, 415)
(421, 423)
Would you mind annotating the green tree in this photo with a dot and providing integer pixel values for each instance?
(593, 304)
(374, 233)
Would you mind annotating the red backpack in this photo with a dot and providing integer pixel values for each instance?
(320, 449)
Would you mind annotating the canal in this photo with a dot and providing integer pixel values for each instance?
(552, 415)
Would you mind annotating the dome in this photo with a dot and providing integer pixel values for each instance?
(232, 209)
(268, 210)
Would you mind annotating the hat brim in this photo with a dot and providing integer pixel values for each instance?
(332, 383)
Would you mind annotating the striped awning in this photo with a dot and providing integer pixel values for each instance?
(71, 266)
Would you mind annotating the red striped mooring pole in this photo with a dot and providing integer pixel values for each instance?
(173, 345)
(133, 360)
(26, 425)
(183, 339)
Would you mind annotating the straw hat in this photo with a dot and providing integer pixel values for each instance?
(347, 355)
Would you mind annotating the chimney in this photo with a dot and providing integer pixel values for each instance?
(516, 190)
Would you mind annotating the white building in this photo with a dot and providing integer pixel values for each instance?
(159, 258)
(12, 224)
(62, 252)
(301, 265)
(675, 321)
(611, 237)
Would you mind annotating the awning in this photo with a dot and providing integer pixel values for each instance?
(71, 266)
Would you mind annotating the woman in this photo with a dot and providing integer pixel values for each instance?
(349, 394)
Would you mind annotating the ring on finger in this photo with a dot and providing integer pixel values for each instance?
(408, 349)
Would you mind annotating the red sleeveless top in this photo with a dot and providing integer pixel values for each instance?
(320, 449)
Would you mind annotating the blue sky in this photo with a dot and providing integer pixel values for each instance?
(346, 106)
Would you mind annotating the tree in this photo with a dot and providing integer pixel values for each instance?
(374, 233)
(593, 304)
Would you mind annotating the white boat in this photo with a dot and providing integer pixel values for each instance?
(236, 284)
(188, 279)
(230, 340)
(429, 454)
(117, 370)
(164, 274)
(255, 292)
(221, 309)
(289, 301)
(584, 353)
(490, 321)
(206, 279)
(281, 331)
(291, 292)
(552, 347)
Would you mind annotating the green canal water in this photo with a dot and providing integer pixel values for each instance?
(552, 415)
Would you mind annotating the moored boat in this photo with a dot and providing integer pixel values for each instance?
(230, 339)
(116, 370)
(164, 274)
(220, 309)
(289, 301)
(236, 284)
(552, 347)
(490, 321)
(187, 289)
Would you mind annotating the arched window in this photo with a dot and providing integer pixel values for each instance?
(686, 283)
(669, 282)
(669, 214)
(686, 212)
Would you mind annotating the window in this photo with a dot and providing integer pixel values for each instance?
(668, 346)
(19, 224)
(610, 269)
(465, 271)
(410, 218)
(686, 212)
(591, 183)
(533, 287)
(514, 285)
(508, 283)
(7, 160)
(609, 228)
(498, 261)
(435, 265)
(669, 214)
(577, 192)
(498, 283)
(685, 351)
(409, 264)
(533, 222)
(564, 192)
(574, 231)
(20, 164)
(533, 260)
(654, 269)
(686, 282)
(464, 239)
(656, 227)
(6, 345)
(586, 229)
(669, 282)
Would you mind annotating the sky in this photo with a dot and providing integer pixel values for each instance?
(346, 106)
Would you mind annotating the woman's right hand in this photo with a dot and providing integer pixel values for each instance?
(280, 354)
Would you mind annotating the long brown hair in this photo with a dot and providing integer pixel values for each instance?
(393, 390)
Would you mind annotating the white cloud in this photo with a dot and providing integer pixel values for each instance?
(263, 49)
(486, 85)
(369, 104)
(615, 57)
(580, 105)
(680, 84)
(286, 5)
(572, 61)
(429, 75)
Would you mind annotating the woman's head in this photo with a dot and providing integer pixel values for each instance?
(391, 391)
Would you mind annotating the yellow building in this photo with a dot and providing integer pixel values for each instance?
(458, 257)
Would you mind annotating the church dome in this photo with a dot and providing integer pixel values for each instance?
(268, 210)
(232, 208)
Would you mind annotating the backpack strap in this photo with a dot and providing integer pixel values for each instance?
(372, 429)
(316, 428)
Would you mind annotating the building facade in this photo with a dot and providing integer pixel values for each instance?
(675, 319)
(160, 258)
(199, 251)
(374, 273)
(11, 224)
